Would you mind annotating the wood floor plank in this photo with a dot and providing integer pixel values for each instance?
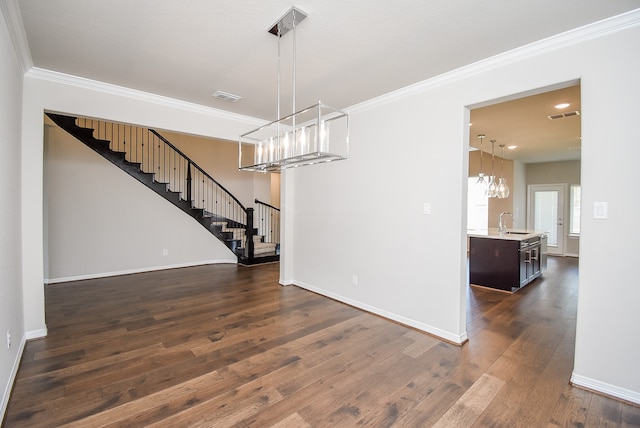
(571, 408)
(226, 345)
(235, 375)
(293, 420)
(604, 412)
(308, 386)
(551, 383)
(432, 407)
(393, 407)
(473, 402)
(153, 402)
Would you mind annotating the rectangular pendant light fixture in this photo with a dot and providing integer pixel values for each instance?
(316, 134)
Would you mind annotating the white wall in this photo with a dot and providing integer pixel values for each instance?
(519, 189)
(275, 190)
(11, 314)
(102, 222)
(607, 345)
(364, 216)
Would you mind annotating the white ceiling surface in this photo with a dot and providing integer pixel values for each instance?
(524, 122)
(347, 51)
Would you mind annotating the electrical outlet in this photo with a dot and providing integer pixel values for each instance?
(165, 252)
(354, 280)
(8, 339)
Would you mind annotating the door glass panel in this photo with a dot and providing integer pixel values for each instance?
(546, 214)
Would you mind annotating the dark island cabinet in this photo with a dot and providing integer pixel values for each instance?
(504, 264)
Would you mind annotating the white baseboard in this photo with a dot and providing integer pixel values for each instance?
(442, 334)
(12, 378)
(140, 270)
(35, 334)
(605, 388)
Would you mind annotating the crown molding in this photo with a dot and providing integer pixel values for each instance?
(108, 88)
(13, 18)
(588, 32)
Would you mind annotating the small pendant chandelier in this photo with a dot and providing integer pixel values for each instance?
(492, 187)
(503, 190)
(481, 182)
(316, 134)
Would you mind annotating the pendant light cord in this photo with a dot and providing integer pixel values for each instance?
(481, 136)
(293, 102)
(278, 81)
(493, 157)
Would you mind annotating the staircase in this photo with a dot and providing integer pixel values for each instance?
(148, 157)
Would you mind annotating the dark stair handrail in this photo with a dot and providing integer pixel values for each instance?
(196, 166)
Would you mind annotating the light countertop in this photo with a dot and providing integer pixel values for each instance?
(510, 234)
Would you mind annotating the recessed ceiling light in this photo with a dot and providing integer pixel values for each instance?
(562, 105)
(511, 147)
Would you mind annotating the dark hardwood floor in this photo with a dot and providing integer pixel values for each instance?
(225, 345)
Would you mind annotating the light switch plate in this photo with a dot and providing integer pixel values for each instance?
(600, 210)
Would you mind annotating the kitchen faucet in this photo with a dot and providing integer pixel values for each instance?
(502, 227)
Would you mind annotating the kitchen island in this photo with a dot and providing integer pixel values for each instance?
(506, 260)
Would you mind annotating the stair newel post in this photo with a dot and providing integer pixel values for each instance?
(189, 183)
(249, 233)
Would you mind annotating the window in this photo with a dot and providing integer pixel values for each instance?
(574, 210)
(477, 206)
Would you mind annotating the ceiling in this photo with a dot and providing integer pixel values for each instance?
(347, 51)
(524, 122)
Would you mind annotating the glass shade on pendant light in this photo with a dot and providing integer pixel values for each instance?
(481, 183)
(492, 186)
(502, 190)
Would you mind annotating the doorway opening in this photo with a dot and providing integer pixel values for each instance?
(541, 162)
(546, 211)
(540, 148)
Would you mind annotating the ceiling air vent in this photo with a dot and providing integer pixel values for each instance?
(226, 96)
(561, 115)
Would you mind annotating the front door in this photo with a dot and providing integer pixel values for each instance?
(546, 213)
